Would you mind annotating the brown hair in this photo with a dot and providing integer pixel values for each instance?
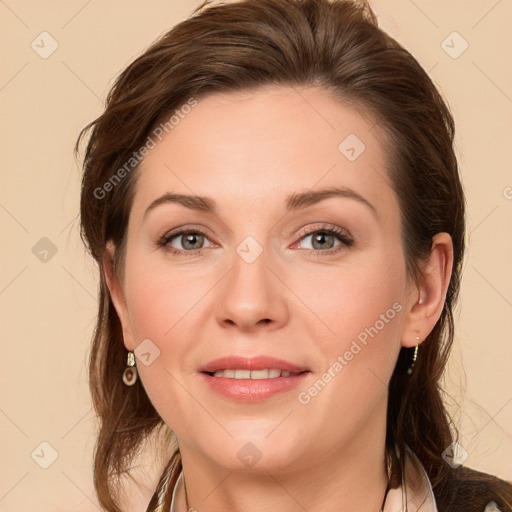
(335, 45)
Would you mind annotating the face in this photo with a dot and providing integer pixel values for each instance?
(271, 271)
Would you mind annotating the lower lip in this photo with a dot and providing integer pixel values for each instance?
(253, 390)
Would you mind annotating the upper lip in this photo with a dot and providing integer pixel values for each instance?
(251, 363)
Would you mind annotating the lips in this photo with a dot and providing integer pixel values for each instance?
(251, 363)
(252, 379)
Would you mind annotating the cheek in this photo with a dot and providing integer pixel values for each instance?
(367, 301)
(349, 298)
(361, 311)
(160, 299)
(364, 311)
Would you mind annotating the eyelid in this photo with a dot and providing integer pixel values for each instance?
(325, 227)
(187, 227)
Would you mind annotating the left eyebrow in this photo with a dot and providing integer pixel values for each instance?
(295, 201)
(300, 200)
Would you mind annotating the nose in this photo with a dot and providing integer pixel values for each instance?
(252, 296)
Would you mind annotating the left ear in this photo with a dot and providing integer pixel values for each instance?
(427, 301)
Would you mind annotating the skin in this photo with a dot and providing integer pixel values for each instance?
(248, 151)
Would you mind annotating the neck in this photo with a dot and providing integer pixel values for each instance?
(350, 478)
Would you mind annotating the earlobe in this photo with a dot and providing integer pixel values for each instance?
(428, 300)
(117, 296)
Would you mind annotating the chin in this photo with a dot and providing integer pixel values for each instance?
(255, 453)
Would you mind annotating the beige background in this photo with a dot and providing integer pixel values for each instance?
(48, 307)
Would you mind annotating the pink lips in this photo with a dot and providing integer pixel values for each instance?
(247, 389)
(251, 363)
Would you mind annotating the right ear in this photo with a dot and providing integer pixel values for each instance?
(117, 296)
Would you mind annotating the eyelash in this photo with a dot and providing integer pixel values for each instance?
(341, 235)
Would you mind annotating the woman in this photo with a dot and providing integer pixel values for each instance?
(274, 204)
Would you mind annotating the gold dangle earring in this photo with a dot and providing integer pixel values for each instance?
(414, 357)
(416, 348)
(130, 373)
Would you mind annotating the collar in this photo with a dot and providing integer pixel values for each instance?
(414, 495)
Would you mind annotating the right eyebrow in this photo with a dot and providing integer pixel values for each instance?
(200, 203)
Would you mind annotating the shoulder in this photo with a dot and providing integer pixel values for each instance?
(470, 490)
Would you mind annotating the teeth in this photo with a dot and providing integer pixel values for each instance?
(242, 374)
(254, 374)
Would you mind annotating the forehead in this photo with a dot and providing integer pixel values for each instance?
(253, 148)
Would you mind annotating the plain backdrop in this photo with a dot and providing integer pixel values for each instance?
(48, 284)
